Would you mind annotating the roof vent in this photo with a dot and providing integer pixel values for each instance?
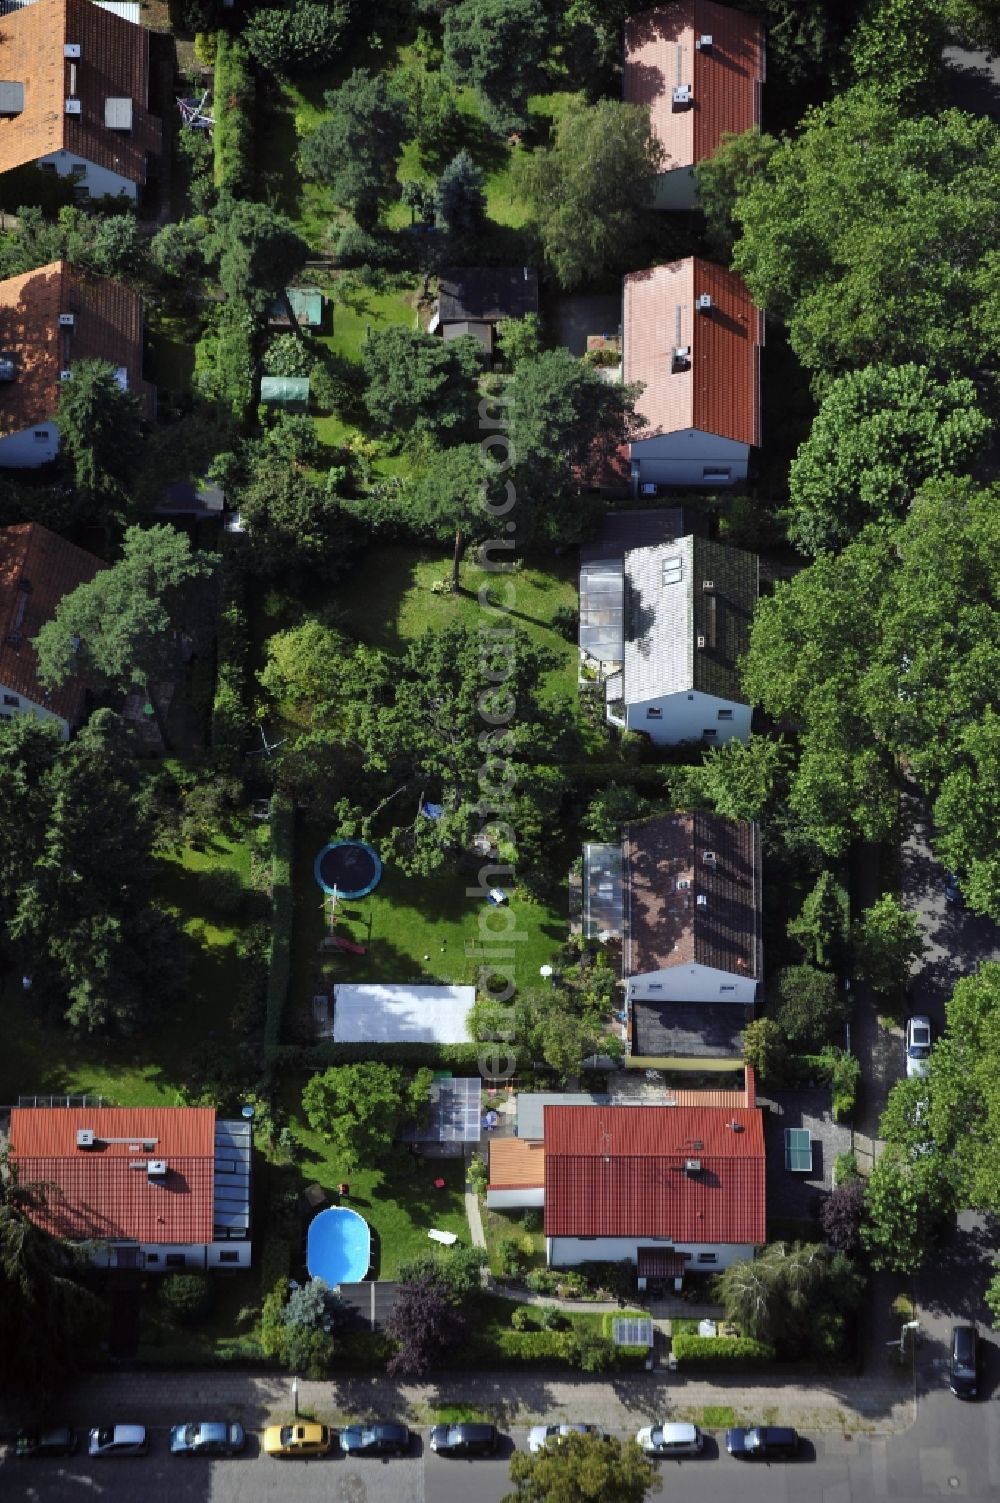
(709, 858)
(74, 107)
(681, 357)
(11, 98)
(703, 302)
(71, 49)
(701, 900)
(736, 1126)
(701, 641)
(66, 320)
(118, 113)
(66, 374)
(704, 42)
(683, 884)
(681, 95)
(708, 584)
(85, 1137)
(8, 368)
(157, 1169)
(692, 1166)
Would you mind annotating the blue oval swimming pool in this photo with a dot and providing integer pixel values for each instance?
(338, 1246)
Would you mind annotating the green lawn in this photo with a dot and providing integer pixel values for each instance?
(399, 1201)
(41, 1059)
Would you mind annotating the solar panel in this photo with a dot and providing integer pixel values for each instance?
(798, 1150)
(632, 1331)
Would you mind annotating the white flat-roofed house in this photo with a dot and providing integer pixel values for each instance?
(388, 1013)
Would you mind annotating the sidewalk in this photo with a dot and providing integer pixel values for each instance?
(881, 1403)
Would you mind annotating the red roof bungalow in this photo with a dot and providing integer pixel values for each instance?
(154, 1188)
(699, 68)
(692, 341)
(670, 1188)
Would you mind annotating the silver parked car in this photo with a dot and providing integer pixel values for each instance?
(671, 1440)
(540, 1435)
(118, 1440)
(918, 1047)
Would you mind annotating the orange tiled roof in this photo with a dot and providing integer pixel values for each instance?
(719, 389)
(102, 1193)
(725, 80)
(107, 325)
(113, 64)
(515, 1164)
(33, 556)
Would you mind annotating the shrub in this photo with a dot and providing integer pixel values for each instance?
(543, 1280)
(591, 1353)
(845, 1073)
(230, 713)
(532, 1221)
(523, 1319)
(510, 1260)
(288, 355)
(301, 37)
(552, 1319)
(736, 1351)
(536, 1346)
(187, 1297)
(234, 110)
(810, 1005)
(365, 248)
(566, 621)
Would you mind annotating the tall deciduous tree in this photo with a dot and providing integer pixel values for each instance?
(583, 1469)
(967, 815)
(359, 1108)
(590, 191)
(356, 147)
(298, 37)
(896, 48)
(99, 432)
(879, 434)
(500, 48)
(125, 627)
(418, 383)
(259, 254)
(456, 495)
(810, 1007)
(906, 1202)
(886, 941)
(724, 178)
(872, 234)
(426, 1321)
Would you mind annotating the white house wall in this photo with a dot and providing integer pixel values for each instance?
(688, 457)
(693, 983)
(28, 707)
(30, 447)
(526, 1197)
(687, 716)
(567, 1252)
(196, 1255)
(98, 181)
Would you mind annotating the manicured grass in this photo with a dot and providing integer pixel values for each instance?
(42, 1059)
(717, 1417)
(356, 310)
(503, 1226)
(416, 929)
(398, 1200)
(228, 1332)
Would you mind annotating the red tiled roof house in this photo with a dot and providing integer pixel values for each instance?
(669, 1188)
(74, 96)
(699, 68)
(37, 568)
(692, 340)
(153, 1188)
(50, 319)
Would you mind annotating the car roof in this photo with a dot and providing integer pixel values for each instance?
(129, 1432)
(675, 1430)
(471, 1431)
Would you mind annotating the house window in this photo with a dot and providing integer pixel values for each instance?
(175, 1260)
(654, 713)
(11, 699)
(725, 714)
(709, 732)
(715, 475)
(727, 988)
(708, 1257)
(152, 1257)
(229, 1257)
(586, 1239)
(656, 986)
(42, 435)
(673, 569)
(6, 715)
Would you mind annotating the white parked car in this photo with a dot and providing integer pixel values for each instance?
(671, 1440)
(540, 1435)
(918, 1047)
(118, 1440)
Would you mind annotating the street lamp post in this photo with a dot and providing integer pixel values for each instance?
(295, 1397)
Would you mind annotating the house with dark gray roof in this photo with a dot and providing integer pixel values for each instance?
(472, 300)
(663, 629)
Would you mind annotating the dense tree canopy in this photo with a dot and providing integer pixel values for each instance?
(359, 1108)
(589, 192)
(879, 434)
(500, 48)
(298, 37)
(258, 251)
(583, 1469)
(886, 250)
(99, 433)
(420, 384)
(356, 147)
(426, 1321)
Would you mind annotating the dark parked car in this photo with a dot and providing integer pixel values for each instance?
(210, 1438)
(962, 1370)
(762, 1443)
(57, 1440)
(953, 888)
(465, 1440)
(375, 1440)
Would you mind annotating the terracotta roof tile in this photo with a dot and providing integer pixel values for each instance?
(620, 1172)
(515, 1163)
(107, 325)
(719, 389)
(31, 555)
(102, 1194)
(113, 64)
(665, 926)
(725, 80)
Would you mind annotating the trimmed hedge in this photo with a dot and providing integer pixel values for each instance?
(282, 913)
(230, 712)
(276, 1262)
(234, 108)
(735, 1351)
(437, 1056)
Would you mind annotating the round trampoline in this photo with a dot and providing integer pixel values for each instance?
(338, 1247)
(350, 868)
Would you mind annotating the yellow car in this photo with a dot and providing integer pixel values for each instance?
(297, 1440)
